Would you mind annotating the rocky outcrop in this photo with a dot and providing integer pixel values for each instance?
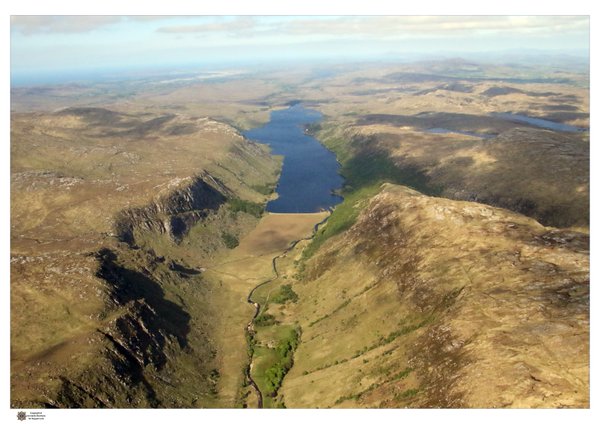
(121, 313)
(148, 329)
(174, 213)
(138, 342)
(151, 321)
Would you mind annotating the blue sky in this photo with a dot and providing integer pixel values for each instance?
(54, 44)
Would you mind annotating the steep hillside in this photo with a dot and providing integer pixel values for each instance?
(429, 302)
(540, 173)
(113, 218)
(145, 273)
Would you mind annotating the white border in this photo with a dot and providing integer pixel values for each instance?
(280, 7)
(306, 7)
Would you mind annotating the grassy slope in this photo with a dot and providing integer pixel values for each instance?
(539, 173)
(357, 328)
(384, 97)
(364, 172)
(69, 179)
(424, 295)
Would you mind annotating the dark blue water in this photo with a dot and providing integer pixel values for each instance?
(538, 122)
(447, 131)
(310, 171)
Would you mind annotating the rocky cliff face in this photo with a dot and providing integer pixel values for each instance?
(144, 333)
(113, 218)
(149, 340)
(175, 213)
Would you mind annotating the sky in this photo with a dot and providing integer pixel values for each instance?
(42, 45)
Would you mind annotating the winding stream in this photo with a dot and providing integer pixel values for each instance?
(307, 184)
(250, 326)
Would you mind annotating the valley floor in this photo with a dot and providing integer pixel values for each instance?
(237, 272)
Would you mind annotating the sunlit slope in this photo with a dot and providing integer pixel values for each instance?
(113, 217)
(428, 302)
(539, 173)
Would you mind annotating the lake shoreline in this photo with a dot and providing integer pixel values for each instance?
(310, 178)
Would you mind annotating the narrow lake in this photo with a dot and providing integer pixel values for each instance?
(538, 122)
(310, 171)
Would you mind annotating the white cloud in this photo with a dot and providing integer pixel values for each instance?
(60, 24)
(71, 24)
(382, 27)
(343, 26)
(431, 26)
(236, 26)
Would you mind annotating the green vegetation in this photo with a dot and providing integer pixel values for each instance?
(285, 294)
(347, 397)
(407, 394)
(251, 343)
(313, 128)
(381, 342)
(265, 189)
(322, 367)
(264, 320)
(402, 374)
(271, 364)
(342, 306)
(364, 170)
(239, 205)
(394, 335)
(285, 351)
(366, 166)
(230, 240)
(404, 395)
(337, 145)
(342, 218)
